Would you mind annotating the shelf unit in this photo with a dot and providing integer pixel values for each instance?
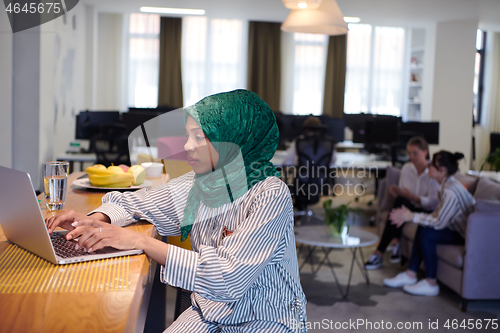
(415, 72)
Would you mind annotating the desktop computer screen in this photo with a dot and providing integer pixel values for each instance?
(494, 142)
(133, 119)
(381, 131)
(336, 127)
(429, 130)
(88, 123)
(357, 123)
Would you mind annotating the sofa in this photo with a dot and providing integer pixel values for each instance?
(472, 270)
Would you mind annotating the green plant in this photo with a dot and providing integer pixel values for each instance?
(493, 160)
(336, 217)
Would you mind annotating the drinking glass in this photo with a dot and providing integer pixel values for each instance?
(55, 183)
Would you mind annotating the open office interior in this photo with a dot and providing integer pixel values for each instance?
(81, 61)
(426, 66)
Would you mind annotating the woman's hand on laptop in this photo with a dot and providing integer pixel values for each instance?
(95, 235)
(66, 218)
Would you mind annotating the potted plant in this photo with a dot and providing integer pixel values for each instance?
(493, 160)
(337, 218)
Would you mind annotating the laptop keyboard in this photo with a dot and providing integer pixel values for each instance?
(65, 248)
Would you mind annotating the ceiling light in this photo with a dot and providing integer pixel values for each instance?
(302, 4)
(326, 19)
(351, 19)
(178, 11)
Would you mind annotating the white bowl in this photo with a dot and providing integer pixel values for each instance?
(153, 170)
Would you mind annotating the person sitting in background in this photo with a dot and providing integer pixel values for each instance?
(312, 127)
(416, 191)
(446, 225)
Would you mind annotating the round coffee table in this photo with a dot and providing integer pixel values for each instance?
(318, 236)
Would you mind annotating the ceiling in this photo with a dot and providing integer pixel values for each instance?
(386, 12)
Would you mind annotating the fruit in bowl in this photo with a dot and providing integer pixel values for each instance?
(113, 176)
(115, 169)
(139, 174)
(124, 167)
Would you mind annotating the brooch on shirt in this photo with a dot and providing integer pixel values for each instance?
(226, 232)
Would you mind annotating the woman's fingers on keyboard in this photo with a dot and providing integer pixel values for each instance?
(80, 235)
(63, 220)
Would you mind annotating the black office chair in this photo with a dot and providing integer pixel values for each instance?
(312, 179)
(111, 145)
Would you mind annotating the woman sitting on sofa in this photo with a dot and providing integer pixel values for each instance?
(416, 191)
(446, 225)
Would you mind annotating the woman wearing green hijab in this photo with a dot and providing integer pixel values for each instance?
(243, 269)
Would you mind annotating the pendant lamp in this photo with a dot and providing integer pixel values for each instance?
(296, 4)
(326, 19)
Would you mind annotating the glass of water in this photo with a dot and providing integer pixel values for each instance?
(55, 183)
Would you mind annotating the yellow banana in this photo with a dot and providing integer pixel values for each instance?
(111, 179)
(98, 171)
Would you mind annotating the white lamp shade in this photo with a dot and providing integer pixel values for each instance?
(327, 19)
(294, 4)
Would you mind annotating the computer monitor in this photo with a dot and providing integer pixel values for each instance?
(494, 142)
(134, 119)
(336, 127)
(429, 130)
(88, 123)
(289, 126)
(381, 131)
(357, 123)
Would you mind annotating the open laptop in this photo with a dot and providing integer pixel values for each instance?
(23, 224)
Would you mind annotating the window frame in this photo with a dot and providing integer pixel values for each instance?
(480, 89)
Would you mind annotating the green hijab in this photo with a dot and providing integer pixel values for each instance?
(243, 130)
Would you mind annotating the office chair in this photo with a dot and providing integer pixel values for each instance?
(111, 145)
(312, 174)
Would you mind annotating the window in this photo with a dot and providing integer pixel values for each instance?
(212, 57)
(374, 76)
(479, 75)
(309, 73)
(143, 60)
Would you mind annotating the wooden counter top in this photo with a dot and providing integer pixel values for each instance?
(37, 296)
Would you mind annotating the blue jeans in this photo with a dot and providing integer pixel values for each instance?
(424, 248)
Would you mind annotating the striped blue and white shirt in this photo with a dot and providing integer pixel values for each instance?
(249, 274)
(455, 206)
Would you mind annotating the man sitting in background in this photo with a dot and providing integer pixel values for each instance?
(312, 127)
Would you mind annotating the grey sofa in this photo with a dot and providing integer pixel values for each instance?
(473, 270)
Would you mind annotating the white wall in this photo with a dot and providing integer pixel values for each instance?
(26, 103)
(109, 62)
(66, 76)
(90, 57)
(41, 89)
(48, 116)
(452, 85)
(5, 91)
